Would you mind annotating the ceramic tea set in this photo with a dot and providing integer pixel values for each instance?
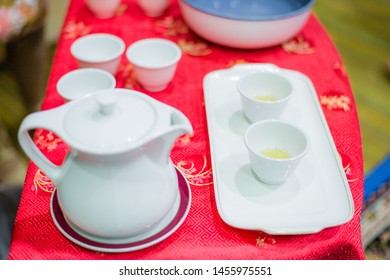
(117, 182)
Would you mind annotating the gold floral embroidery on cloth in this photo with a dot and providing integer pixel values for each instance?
(298, 45)
(47, 140)
(184, 140)
(129, 77)
(41, 181)
(262, 240)
(347, 165)
(339, 67)
(175, 27)
(73, 29)
(348, 172)
(121, 9)
(171, 26)
(203, 177)
(334, 102)
(194, 48)
(44, 140)
(231, 63)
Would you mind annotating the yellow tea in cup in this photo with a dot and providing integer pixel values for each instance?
(264, 95)
(276, 153)
(275, 149)
(266, 98)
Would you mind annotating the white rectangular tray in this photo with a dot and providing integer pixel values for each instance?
(317, 195)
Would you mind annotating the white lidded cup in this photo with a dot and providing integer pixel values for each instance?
(98, 50)
(153, 8)
(264, 94)
(275, 149)
(154, 62)
(103, 8)
(81, 82)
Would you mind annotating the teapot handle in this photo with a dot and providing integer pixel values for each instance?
(50, 120)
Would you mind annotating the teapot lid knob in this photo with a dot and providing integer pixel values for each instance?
(106, 103)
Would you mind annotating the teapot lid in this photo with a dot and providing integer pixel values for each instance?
(109, 121)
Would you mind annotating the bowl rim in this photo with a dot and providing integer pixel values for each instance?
(199, 5)
(132, 57)
(79, 44)
(74, 76)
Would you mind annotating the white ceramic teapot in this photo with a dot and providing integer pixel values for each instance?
(117, 181)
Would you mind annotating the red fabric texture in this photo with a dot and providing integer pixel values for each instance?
(203, 235)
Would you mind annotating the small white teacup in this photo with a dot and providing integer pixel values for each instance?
(275, 149)
(103, 8)
(154, 62)
(99, 50)
(81, 82)
(264, 95)
(153, 8)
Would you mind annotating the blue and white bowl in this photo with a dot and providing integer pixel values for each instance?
(246, 24)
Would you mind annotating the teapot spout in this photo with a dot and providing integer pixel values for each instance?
(162, 145)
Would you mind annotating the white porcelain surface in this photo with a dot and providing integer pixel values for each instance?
(153, 8)
(98, 50)
(81, 82)
(154, 62)
(103, 8)
(315, 197)
(245, 34)
(266, 84)
(158, 233)
(280, 135)
(117, 180)
(145, 231)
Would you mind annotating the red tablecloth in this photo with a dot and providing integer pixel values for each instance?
(203, 235)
